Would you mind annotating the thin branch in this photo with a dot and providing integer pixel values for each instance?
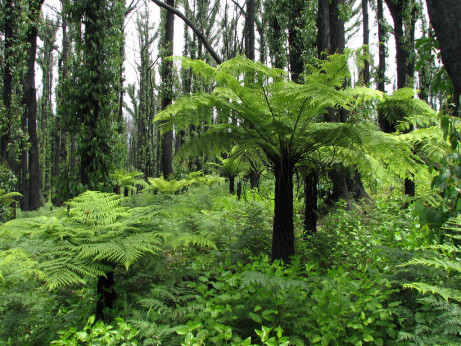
(193, 27)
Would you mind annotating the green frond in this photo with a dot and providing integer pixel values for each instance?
(65, 270)
(166, 186)
(7, 198)
(178, 240)
(444, 264)
(446, 293)
(95, 207)
(402, 106)
(124, 251)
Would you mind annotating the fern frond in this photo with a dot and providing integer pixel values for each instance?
(95, 207)
(446, 293)
(179, 240)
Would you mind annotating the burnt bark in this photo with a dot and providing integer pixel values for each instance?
(310, 202)
(295, 41)
(167, 80)
(106, 296)
(382, 50)
(283, 231)
(445, 19)
(30, 103)
(366, 42)
(7, 78)
(323, 26)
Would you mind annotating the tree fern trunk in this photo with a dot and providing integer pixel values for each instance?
(310, 202)
(106, 296)
(283, 232)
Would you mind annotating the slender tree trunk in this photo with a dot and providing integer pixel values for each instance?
(366, 42)
(382, 51)
(445, 19)
(30, 101)
(283, 231)
(167, 80)
(250, 54)
(310, 202)
(7, 79)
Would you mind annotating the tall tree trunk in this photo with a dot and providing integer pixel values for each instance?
(382, 53)
(445, 19)
(7, 79)
(283, 231)
(250, 54)
(404, 65)
(323, 26)
(366, 42)
(167, 81)
(30, 102)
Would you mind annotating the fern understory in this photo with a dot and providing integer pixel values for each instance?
(192, 267)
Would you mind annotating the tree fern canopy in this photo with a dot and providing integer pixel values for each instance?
(271, 114)
(96, 234)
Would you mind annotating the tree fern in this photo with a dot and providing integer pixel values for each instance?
(280, 121)
(96, 235)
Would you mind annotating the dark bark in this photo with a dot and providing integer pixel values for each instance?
(106, 296)
(366, 42)
(382, 49)
(323, 26)
(295, 41)
(445, 19)
(231, 184)
(250, 30)
(405, 67)
(30, 103)
(310, 202)
(402, 51)
(169, 6)
(283, 231)
(337, 28)
(239, 189)
(167, 80)
(250, 54)
(7, 79)
(60, 165)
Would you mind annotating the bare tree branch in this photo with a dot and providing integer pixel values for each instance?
(192, 26)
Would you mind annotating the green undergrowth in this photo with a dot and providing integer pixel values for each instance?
(354, 282)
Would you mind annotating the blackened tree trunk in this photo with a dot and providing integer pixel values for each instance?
(283, 232)
(250, 54)
(323, 26)
(60, 168)
(382, 54)
(167, 97)
(7, 79)
(30, 103)
(405, 67)
(402, 52)
(366, 42)
(310, 202)
(106, 296)
(295, 40)
(445, 19)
